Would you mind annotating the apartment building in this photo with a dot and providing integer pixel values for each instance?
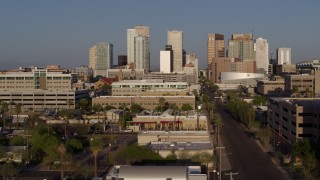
(293, 119)
(137, 87)
(146, 102)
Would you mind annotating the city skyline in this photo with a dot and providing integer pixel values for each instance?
(42, 33)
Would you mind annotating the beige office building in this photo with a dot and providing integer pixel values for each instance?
(307, 85)
(38, 99)
(36, 79)
(241, 46)
(175, 39)
(146, 102)
(293, 119)
(271, 88)
(215, 47)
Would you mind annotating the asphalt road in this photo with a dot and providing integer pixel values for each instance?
(245, 156)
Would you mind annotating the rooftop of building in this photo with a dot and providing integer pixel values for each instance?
(146, 97)
(174, 133)
(154, 172)
(298, 101)
(166, 145)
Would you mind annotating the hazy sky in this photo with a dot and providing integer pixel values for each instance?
(39, 32)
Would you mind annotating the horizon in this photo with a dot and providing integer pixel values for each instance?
(37, 33)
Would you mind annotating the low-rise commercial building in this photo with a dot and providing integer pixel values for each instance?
(125, 172)
(271, 88)
(167, 121)
(138, 87)
(190, 78)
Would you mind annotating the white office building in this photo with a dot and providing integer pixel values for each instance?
(261, 48)
(165, 62)
(284, 56)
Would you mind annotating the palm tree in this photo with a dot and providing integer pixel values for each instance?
(162, 102)
(18, 111)
(175, 109)
(62, 150)
(218, 123)
(5, 110)
(95, 147)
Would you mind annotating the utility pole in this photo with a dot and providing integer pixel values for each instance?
(231, 174)
(220, 160)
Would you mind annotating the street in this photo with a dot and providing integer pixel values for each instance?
(245, 156)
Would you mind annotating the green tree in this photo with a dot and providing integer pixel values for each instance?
(83, 103)
(108, 107)
(259, 101)
(295, 89)
(18, 111)
(62, 151)
(5, 110)
(162, 102)
(96, 147)
(264, 134)
(218, 124)
(186, 107)
(85, 172)
(135, 108)
(16, 141)
(8, 170)
(73, 145)
(174, 109)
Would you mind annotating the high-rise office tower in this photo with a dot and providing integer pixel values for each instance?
(261, 48)
(166, 60)
(241, 46)
(138, 47)
(175, 40)
(215, 47)
(122, 60)
(284, 56)
(101, 56)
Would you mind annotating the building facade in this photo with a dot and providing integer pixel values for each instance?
(101, 56)
(284, 56)
(262, 55)
(175, 39)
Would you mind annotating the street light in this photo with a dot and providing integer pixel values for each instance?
(220, 160)
(198, 114)
(214, 174)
